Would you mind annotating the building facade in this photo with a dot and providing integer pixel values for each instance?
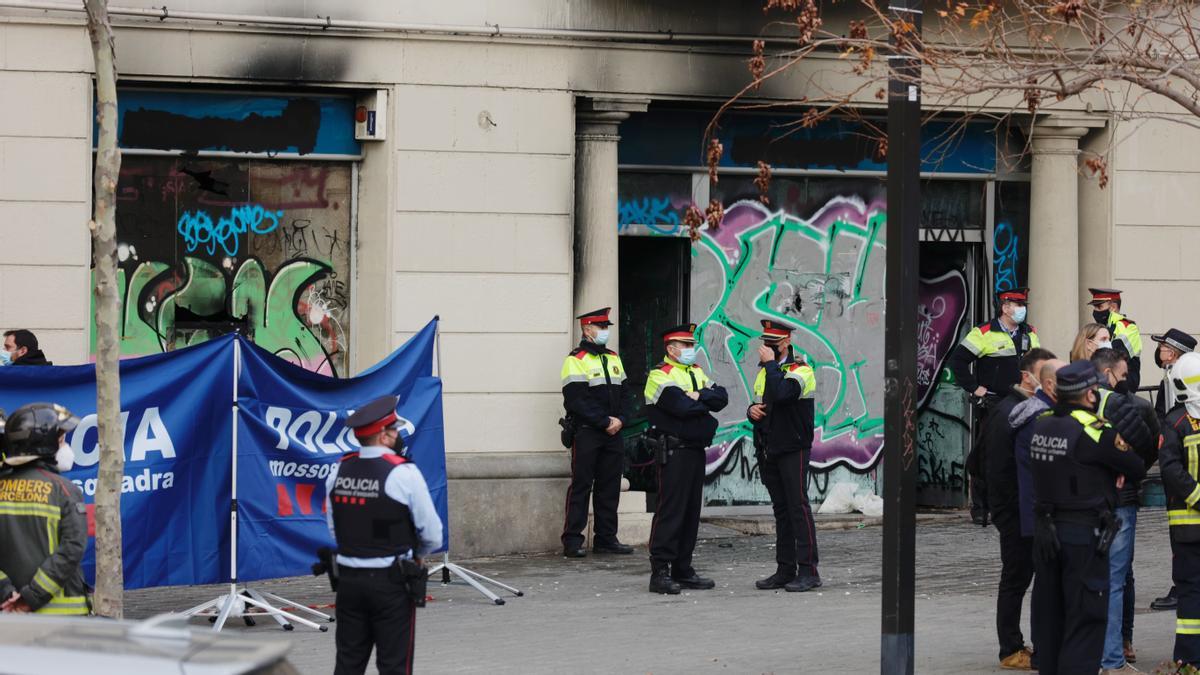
(330, 184)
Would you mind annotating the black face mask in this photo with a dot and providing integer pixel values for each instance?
(1101, 316)
(1122, 387)
(1158, 359)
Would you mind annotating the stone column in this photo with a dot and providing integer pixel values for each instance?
(596, 139)
(1054, 234)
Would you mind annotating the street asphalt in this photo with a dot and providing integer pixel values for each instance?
(595, 615)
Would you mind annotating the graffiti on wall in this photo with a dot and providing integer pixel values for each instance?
(1005, 248)
(824, 274)
(211, 246)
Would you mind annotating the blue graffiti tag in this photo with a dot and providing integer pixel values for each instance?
(1004, 257)
(655, 213)
(198, 228)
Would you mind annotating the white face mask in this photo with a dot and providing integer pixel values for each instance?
(5, 358)
(601, 337)
(687, 356)
(1104, 344)
(1019, 314)
(64, 459)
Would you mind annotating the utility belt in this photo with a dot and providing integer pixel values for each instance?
(664, 445)
(408, 573)
(1078, 526)
(569, 429)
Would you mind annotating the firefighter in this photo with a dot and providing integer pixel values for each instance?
(1178, 460)
(1077, 461)
(680, 402)
(995, 349)
(42, 521)
(1106, 310)
(1171, 345)
(783, 417)
(593, 390)
(382, 516)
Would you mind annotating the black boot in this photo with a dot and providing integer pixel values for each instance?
(694, 581)
(783, 575)
(660, 582)
(803, 584)
(614, 546)
(1168, 601)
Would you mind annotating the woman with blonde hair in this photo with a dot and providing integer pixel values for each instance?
(1091, 337)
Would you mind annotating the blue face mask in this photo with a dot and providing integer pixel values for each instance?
(1019, 314)
(5, 358)
(601, 337)
(687, 356)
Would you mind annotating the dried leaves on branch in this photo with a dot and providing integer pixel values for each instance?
(989, 59)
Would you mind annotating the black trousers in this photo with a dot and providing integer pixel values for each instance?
(1185, 572)
(1127, 610)
(374, 612)
(1016, 573)
(596, 463)
(677, 516)
(786, 479)
(1070, 599)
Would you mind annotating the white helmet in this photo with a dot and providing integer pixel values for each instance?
(1185, 376)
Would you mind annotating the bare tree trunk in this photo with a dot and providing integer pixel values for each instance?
(110, 580)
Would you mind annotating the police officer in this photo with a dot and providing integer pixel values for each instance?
(42, 522)
(782, 415)
(382, 516)
(1181, 481)
(1171, 345)
(592, 386)
(680, 402)
(1106, 310)
(1077, 461)
(995, 349)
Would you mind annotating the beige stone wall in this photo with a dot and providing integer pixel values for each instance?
(45, 192)
(1156, 228)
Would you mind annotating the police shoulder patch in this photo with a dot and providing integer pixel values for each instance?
(665, 367)
(579, 353)
(397, 460)
(985, 328)
(1031, 328)
(348, 455)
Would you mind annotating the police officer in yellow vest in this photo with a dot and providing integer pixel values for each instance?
(42, 523)
(680, 402)
(995, 349)
(1179, 460)
(592, 387)
(783, 415)
(1077, 461)
(1106, 310)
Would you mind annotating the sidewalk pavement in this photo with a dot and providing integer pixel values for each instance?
(595, 616)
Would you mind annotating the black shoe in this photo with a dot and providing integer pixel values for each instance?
(616, 548)
(661, 582)
(696, 582)
(780, 579)
(802, 584)
(1169, 601)
(574, 552)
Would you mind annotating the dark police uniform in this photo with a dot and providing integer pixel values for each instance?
(592, 381)
(43, 528)
(783, 443)
(380, 512)
(1181, 342)
(1126, 337)
(688, 427)
(996, 355)
(1075, 462)
(1179, 459)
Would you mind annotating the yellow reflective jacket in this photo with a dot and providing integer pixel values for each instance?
(1179, 462)
(671, 410)
(593, 381)
(995, 355)
(787, 389)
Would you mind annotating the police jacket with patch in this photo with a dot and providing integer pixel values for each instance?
(43, 534)
(1075, 463)
(1127, 338)
(1179, 461)
(379, 507)
(1122, 412)
(670, 410)
(996, 355)
(787, 388)
(593, 379)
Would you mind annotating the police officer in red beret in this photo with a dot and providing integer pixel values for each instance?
(381, 513)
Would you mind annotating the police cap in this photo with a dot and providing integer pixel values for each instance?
(775, 330)
(374, 417)
(685, 332)
(1103, 295)
(1077, 377)
(1177, 339)
(1014, 295)
(598, 317)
